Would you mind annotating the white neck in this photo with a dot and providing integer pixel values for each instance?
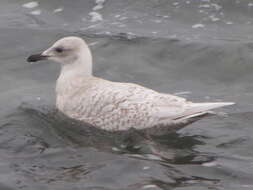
(80, 66)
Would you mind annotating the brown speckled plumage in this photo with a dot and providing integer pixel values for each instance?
(111, 105)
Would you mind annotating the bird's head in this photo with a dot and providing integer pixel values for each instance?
(65, 51)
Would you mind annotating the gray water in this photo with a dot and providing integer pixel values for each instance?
(201, 50)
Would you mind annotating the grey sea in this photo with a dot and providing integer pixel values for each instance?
(198, 49)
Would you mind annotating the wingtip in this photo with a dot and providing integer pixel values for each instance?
(221, 104)
(228, 103)
(203, 107)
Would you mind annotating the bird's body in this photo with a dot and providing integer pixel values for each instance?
(112, 105)
(115, 106)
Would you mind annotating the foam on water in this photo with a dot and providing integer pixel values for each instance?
(31, 5)
(198, 26)
(36, 12)
(95, 17)
(58, 10)
(214, 18)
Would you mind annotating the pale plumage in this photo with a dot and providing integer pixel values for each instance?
(112, 105)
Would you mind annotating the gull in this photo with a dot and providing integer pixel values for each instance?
(108, 105)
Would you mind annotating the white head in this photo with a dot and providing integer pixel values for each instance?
(72, 52)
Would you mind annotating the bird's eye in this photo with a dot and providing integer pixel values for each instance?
(59, 49)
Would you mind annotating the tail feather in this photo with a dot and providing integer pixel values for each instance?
(191, 113)
(195, 108)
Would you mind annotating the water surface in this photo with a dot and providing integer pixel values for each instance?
(201, 50)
